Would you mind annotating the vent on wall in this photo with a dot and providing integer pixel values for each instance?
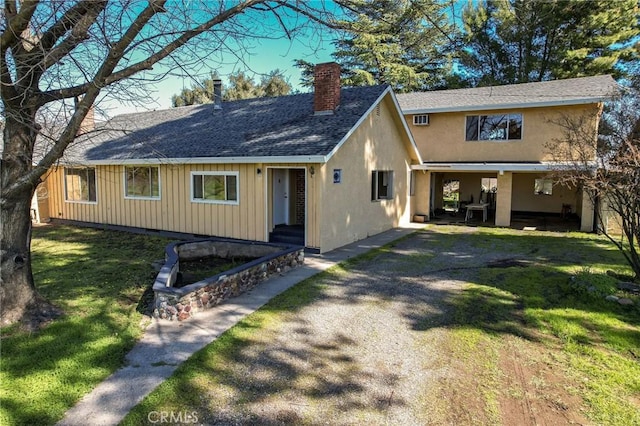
(421, 120)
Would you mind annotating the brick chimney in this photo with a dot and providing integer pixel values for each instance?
(326, 84)
(88, 123)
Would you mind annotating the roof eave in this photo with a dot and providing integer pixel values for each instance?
(405, 125)
(205, 160)
(519, 105)
(497, 167)
(386, 91)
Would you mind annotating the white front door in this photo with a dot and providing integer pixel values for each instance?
(280, 196)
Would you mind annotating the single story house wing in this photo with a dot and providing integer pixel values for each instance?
(325, 168)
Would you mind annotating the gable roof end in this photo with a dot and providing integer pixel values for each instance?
(400, 116)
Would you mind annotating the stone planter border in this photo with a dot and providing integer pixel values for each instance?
(181, 303)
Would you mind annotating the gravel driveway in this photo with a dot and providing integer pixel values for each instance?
(363, 353)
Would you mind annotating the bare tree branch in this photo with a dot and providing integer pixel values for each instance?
(80, 21)
(147, 63)
(614, 186)
(17, 21)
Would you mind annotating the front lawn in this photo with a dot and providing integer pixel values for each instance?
(521, 342)
(527, 338)
(98, 278)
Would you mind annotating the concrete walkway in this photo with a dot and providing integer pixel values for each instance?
(166, 344)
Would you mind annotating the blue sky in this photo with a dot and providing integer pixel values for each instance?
(263, 56)
(260, 58)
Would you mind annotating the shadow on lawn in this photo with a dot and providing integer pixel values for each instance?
(97, 278)
(46, 373)
(436, 280)
(510, 276)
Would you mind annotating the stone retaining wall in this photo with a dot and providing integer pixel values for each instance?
(181, 303)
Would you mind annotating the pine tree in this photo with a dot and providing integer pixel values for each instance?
(240, 86)
(516, 41)
(401, 43)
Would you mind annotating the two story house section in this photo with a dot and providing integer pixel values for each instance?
(494, 146)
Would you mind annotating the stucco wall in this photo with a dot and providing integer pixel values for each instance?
(420, 200)
(348, 214)
(444, 138)
(525, 200)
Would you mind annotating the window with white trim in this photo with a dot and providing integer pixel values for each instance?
(142, 182)
(421, 120)
(497, 127)
(543, 187)
(80, 184)
(214, 187)
(381, 185)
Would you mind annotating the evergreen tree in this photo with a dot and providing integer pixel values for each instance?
(306, 72)
(401, 43)
(516, 41)
(240, 86)
(275, 84)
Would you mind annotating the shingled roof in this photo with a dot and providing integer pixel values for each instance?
(282, 128)
(572, 91)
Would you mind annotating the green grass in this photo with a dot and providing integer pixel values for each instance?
(98, 278)
(600, 339)
(206, 372)
(596, 342)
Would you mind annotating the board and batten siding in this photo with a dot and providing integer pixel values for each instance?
(175, 211)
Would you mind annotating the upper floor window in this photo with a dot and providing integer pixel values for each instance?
(142, 182)
(381, 185)
(214, 187)
(498, 127)
(421, 120)
(80, 184)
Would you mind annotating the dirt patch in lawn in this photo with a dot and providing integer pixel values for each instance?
(515, 382)
(534, 389)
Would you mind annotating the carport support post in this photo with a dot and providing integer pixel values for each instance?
(422, 197)
(503, 199)
(587, 213)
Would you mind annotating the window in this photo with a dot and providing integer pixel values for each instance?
(80, 184)
(381, 185)
(214, 187)
(543, 187)
(421, 120)
(500, 127)
(489, 185)
(142, 182)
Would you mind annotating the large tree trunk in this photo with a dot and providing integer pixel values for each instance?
(17, 290)
(19, 299)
